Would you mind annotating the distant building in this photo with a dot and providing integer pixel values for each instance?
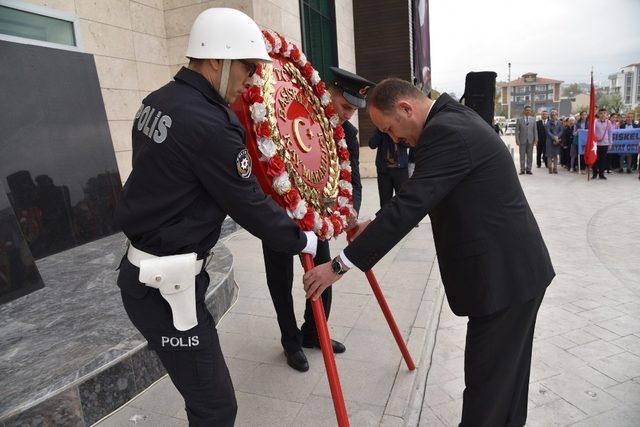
(626, 82)
(540, 92)
(579, 102)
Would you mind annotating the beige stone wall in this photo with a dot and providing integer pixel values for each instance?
(129, 43)
(140, 44)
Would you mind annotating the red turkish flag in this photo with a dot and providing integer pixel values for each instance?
(590, 149)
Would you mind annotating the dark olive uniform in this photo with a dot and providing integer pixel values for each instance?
(190, 170)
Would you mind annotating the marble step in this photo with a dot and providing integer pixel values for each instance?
(69, 354)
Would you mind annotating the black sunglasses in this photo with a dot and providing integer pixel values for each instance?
(250, 66)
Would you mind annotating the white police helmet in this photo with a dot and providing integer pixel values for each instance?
(224, 33)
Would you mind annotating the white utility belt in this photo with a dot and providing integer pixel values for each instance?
(175, 277)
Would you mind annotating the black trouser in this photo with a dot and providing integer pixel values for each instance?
(540, 153)
(497, 362)
(192, 358)
(601, 162)
(391, 181)
(279, 269)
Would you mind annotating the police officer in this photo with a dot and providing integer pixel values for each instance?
(348, 93)
(191, 170)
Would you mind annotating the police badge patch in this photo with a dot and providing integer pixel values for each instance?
(243, 164)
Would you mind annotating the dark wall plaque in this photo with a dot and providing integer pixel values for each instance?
(57, 162)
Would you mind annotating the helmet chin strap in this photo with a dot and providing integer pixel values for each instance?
(224, 77)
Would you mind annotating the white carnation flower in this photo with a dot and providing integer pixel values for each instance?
(343, 201)
(342, 143)
(334, 121)
(315, 77)
(346, 165)
(256, 80)
(303, 60)
(325, 99)
(282, 184)
(267, 147)
(300, 210)
(329, 230)
(267, 44)
(346, 185)
(258, 112)
(317, 226)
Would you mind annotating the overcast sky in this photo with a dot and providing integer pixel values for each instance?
(558, 39)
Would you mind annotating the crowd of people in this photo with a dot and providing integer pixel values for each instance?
(556, 142)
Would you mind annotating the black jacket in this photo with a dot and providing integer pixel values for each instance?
(384, 145)
(351, 136)
(490, 250)
(542, 133)
(190, 170)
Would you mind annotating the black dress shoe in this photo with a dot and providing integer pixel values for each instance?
(521, 172)
(602, 177)
(529, 173)
(297, 360)
(338, 347)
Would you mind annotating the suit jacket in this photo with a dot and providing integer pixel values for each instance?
(542, 133)
(351, 136)
(385, 147)
(489, 246)
(526, 131)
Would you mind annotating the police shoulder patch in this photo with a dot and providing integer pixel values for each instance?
(243, 164)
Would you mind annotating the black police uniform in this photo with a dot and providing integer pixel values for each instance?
(190, 170)
(279, 268)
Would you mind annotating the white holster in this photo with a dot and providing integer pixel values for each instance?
(175, 277)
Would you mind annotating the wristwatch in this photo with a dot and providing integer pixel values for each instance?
(336, 266)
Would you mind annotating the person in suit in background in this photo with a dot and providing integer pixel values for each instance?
(541, 126)
(494, 264)
(392, 163)
(627, 159)
(526, 138)
(348, 93)
(554, 141)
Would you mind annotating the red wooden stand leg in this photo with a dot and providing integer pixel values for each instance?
(373, 282)
(327, 352)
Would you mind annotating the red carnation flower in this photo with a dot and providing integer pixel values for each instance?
(252, 95)
(275, 167)
(259, 69)
(324, 229)
(343, 154)
(269, 38)
(338, 133)
(292, 198)
(337, 225)
(284, 44)
(295, 53)
(319, 89)
(263, 130)
(345, 174)
(307, 70)
(309, 221)
(344, 193)
(344, 210)
(329, 110)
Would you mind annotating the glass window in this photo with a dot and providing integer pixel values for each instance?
(27, 24)
(319, 35)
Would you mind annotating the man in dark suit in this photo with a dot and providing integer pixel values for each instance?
(392, 162)
(541, 147)
(493, 261)
(348, 93)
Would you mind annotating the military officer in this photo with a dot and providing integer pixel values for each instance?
(348, 93)
(190, 170)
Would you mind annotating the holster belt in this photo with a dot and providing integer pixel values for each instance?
(175, 277)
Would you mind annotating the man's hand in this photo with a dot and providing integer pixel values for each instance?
(359, 229)
(318, 279)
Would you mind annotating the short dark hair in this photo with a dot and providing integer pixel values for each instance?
(527, 106)
(386, 94)
(602, 109)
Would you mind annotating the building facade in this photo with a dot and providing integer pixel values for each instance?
(626, 83)
(540, 93)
